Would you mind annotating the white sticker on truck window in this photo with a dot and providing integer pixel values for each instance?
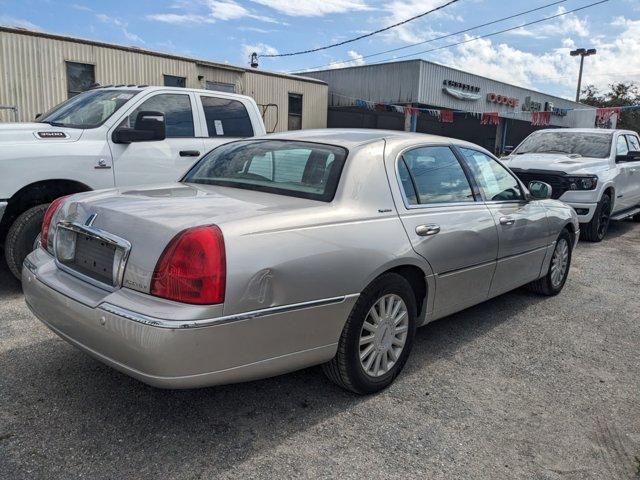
(218, 125)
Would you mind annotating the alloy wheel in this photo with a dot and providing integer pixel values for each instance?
(559, 262)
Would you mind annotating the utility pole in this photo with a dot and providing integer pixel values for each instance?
(582, 52)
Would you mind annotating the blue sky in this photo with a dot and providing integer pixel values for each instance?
(228, 30)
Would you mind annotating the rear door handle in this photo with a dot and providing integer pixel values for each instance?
(189, 153)
(426, 230)
(507, 220)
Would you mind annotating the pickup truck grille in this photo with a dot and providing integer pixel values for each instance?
(558, 180)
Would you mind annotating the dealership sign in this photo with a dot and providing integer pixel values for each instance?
(461, 91)
(502, 100)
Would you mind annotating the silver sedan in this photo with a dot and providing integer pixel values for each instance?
(274, 254)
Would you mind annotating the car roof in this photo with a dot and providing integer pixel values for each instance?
(155, 88)
(583, 130)
(353, 137)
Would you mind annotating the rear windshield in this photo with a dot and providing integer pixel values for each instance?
(297, 169)
(595, 145)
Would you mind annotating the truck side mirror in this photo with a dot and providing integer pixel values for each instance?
(149, 126)
(540, 190)
(631, 156)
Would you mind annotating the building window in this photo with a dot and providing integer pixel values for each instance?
(226, 118)
(221, 87)
(80, 77)
(295, 111)
(173, 81)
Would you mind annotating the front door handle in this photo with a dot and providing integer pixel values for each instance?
(426, 230)
(189, 153)
(507, 221)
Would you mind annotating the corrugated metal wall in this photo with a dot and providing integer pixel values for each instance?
(418, 81)
(33, 77)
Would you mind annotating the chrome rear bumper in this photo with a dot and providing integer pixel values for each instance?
(168, 354)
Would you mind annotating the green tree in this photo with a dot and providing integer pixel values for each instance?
(619, 94)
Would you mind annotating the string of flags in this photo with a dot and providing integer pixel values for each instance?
(540, 118)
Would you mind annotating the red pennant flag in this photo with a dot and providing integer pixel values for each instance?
(446, 116)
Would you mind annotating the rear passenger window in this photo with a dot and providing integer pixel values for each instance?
(494, 180)
(226, 118)
(633, 143)
(433, 175)
(177, 113)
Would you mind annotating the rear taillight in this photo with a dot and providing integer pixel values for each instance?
(192, 268)
(46, 232)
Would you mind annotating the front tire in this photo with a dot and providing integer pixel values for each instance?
(22, 236)
(553, 282)
(377, 338)
(596, 229)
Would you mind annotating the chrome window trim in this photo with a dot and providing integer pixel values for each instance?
(207, 322)
(98, 234)
(419, 206)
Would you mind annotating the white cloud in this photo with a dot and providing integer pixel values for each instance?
(215, 10)
(565, 25)
(180, 19)
(314, 8)
(356, 60)
(18, 22)
(500, 61)
(417, 30)
(121, 25)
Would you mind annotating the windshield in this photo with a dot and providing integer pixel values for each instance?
(89, 109)
(297, 169)
(595, 145)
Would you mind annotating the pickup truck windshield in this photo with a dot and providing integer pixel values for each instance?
(297, 169)
(89, 109)
(594, 145)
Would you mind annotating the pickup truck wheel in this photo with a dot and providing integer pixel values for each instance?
(553, 282)
(377, 338)
(596, 229)
(22, 236)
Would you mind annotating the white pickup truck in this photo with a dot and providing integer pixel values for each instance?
(595, 171)
(109, 136)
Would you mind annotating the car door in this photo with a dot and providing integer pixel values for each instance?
(633, 172)
(160, 161)
(523, 230)
(224, 120)
(624, 185)
(448, 225)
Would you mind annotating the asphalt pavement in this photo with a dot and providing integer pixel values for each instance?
(520, 387)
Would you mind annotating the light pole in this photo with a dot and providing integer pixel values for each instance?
(583, 52)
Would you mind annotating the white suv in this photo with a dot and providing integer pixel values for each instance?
(595, 171)
(106, 137)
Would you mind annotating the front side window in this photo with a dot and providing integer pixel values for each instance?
(621, 146)
(173, 81)
(80, 77)
(495, 181)
(177, 112)
(433, 175)
(633, 143)
(226, 118)
(594, 145)
(295, 112)
(297, 169)
(89, 109)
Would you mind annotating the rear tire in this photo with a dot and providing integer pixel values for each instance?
(22, 236)
(369, 359)
(553, 282)
(596, 229)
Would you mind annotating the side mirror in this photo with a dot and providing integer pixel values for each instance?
(508, 149)
(149, 126)
(631, 156)
(540, 190)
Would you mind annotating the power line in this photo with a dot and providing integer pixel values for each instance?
(361, 36)
(488, 34)
(443, 36)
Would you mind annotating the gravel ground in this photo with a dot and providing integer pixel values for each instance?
(519, 387)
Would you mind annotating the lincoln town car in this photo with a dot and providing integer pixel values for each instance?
(276, 253)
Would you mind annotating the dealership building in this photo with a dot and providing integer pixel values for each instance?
(481, 110)
(40, 70)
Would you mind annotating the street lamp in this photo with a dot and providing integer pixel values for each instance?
(583, 52)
